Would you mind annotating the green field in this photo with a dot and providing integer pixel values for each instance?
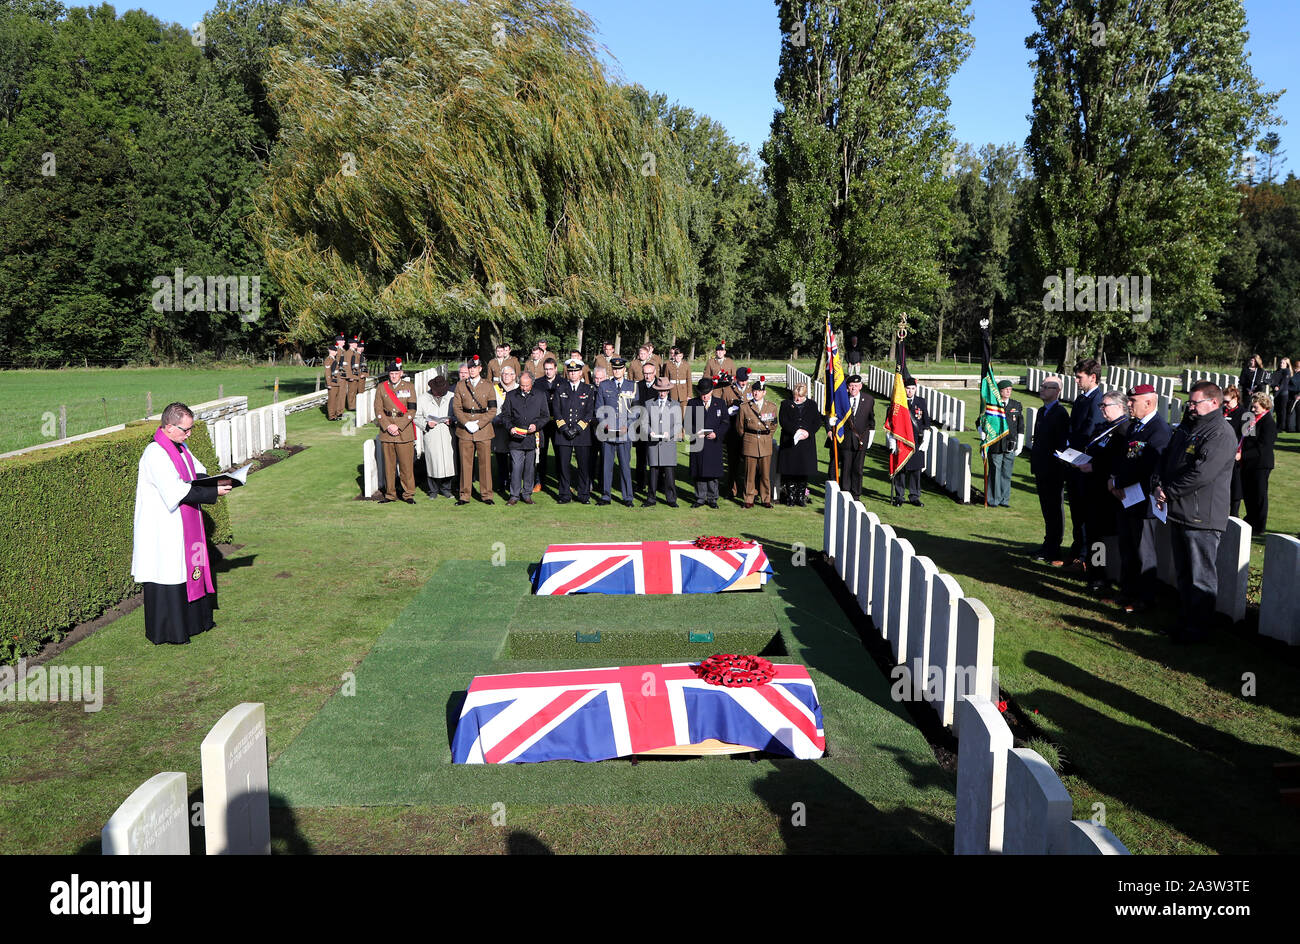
(406, 598)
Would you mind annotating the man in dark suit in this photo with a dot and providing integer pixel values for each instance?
(545, 385)
(1147, 439)
(706, 424)
(1051, 431)
(910, 474)
(573, 404)
(1086, 422)
(862, 419)
(526, 414)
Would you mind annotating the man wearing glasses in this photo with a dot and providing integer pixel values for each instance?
(1193, 485)
(170, 554)
(1147, 440)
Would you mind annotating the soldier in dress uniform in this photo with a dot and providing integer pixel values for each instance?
(757, 420)
(734, 393)
(720, 363)
(475, 407)
(536, 365)
(501, 362)
(603, 359)
(573, 404)
(678, 373)
(644, 355)
(350, 359)
(360, 370)
(1002, 454)
(616, 403)
(395, 404)
(336, 397)
(920, 435)
(706, 426)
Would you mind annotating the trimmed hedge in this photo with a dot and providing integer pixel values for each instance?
(67, 515)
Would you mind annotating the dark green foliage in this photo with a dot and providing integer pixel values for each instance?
(68, 514)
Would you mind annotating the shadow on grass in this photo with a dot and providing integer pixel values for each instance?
(819, 814)
(1210, 785)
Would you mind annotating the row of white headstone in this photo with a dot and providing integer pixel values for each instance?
(945, 410)
(1224, 381)
(1167, 405)
(365, 412)
(1008, 800)
(236, 814)
(816, 389)
(245, 435)
(1122, 378)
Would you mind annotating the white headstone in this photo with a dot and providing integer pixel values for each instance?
(843, 516)
(282, 424)
(1038, 806)
(983, 741)
(268, 428)
(1233, 566)
(973, 674)
(866, 551)
(236, 798)
(254, 421)
(1085, 838)
(828, 522)
(900, 585)
(943, 460)
(961, 481)
(944, 594)
(154, 820)
(918, 621)
(1279, 594)
(852, 546)
(221, 442)
(238, 440)
(882, 545)
(369, 470)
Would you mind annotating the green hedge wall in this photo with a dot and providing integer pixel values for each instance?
(66, 516)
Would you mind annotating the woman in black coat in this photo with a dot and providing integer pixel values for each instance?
(1257, 461)
(797, 458)
(1252, 375)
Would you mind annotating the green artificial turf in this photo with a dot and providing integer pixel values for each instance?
(388, 743)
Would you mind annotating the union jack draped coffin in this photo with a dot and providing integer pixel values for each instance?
(647, 567)
(598, 714)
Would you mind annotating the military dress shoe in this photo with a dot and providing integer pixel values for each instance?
(698, 504)
(409, 501)
(647, 504)
(916, 502)
(384, 501)
(672, 504)
(461, 501)
(564, 499)
(767, 504)
(896, 502)
(488, 501)
(583, 501)
(713, 505)
(628, 503)
(602, 501)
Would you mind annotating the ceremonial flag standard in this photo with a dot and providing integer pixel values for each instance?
(836, 407)
(993, 416)
(898, 419)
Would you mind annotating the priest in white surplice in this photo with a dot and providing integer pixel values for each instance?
(171, 548)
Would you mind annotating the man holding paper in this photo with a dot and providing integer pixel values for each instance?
(170, 556)
(1050, 433)
(1130, 483)
(1104, 450)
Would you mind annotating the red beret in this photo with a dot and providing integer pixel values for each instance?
(1141, 389)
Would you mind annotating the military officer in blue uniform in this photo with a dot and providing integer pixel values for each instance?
(573, 404)
(616, 408)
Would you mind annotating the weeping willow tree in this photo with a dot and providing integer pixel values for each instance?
(443, 164)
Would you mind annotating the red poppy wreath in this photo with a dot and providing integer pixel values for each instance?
(736, 671)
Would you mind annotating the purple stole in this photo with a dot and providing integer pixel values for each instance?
(199, 581)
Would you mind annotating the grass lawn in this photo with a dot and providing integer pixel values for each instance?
(407, 599)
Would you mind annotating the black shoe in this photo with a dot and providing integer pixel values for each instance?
(488, 501)
(384, 501)
(583, 501)
(698, 504)
(672, 504)
(646, 504)
(431, 495)
(564, 500)
(896, 502)
(409, 501)
(916, 502)
(713, 505)
(461, 501)
(628, 503)
(601, 501)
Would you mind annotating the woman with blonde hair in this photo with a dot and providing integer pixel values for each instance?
(1256, 454)
(800, 420)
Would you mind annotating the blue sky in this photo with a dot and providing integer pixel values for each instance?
(719, 57)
